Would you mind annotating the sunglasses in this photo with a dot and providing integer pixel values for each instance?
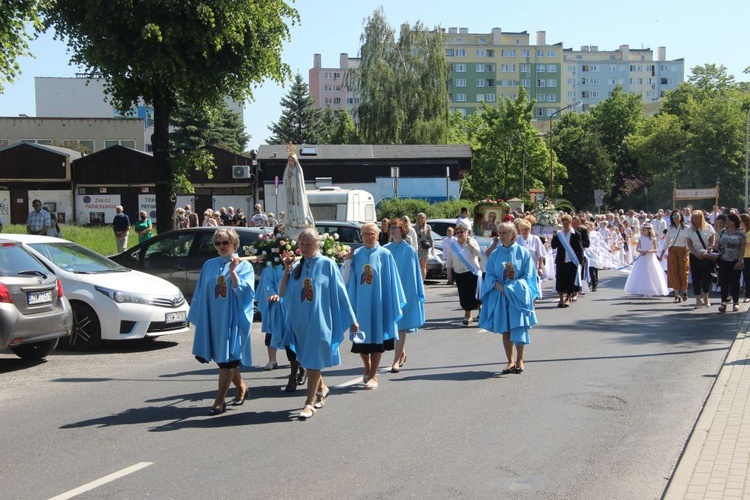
(221, 243)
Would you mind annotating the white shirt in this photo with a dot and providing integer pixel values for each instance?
(466, 222)
(659, 226)
(533, 245)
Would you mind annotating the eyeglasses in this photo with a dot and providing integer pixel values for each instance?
(221, 243)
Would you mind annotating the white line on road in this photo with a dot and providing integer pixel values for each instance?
(99, 482)
(358, 380)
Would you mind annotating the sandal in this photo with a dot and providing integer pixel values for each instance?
(321, 401)
(677, 299)
(723, 307)
(511, 368)
(307, 412)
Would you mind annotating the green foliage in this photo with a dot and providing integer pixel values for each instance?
(403, 84)
(345, 131)
(16, 17)
(200, 51)
(711, 78)
(300, 121)
(392, 209)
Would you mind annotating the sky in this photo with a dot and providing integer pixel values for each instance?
(689, 29)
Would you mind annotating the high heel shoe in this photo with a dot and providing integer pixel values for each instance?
(241, 401)
(301, 376)
(217, 410)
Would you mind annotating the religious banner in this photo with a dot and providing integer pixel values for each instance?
(695, 194)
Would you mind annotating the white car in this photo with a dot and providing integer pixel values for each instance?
(109, 301)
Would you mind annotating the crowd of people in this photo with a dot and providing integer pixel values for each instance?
(308, 303)
(226, 216)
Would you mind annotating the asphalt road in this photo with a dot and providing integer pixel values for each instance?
(611, 390)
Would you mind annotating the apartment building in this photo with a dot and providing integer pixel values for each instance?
(328, 87)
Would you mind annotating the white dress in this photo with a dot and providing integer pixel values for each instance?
(298, 213)
(647, 276)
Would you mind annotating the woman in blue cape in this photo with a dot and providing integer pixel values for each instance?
(508, 293)
(317, 313)
(222, 312)
(376, 293)
(409, 270)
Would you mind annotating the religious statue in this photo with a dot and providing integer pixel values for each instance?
(298, 214)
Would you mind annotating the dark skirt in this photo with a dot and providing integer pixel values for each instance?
(363, 348)
(466, 283)
(566, 277)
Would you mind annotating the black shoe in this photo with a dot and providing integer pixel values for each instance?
(518, 369)
(217, 411)
(301, 376)
(201, 360)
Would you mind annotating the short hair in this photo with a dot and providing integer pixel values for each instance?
(523, 223)
(565, 217)
(399, 224)
(372, 226)
(464, 209)
(509, 226)
(227, 232)
(734, 218)
(309, 233)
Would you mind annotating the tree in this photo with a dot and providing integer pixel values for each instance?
(199, 51)
(15, 17)
(300, 120)
(345, 131)
(711, 78)
(402, 84)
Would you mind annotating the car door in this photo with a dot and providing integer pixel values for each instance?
(168, 256)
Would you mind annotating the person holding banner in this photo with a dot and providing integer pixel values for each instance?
(463, 265)
(567, 261)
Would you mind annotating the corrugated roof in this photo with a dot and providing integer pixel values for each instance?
(368, 151)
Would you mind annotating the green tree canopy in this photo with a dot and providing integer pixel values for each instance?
(300, 121)
(403, 84)
(15, 19)
(201, 51)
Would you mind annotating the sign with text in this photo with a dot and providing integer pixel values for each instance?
(696, 194)
(147, 203)
(96, 208)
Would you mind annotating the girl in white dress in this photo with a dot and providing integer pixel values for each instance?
(647, 277)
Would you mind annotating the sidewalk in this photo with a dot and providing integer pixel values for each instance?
(716, 459)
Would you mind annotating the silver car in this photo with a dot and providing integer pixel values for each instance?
(34, 314)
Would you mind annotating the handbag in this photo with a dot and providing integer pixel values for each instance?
(709, 264)
(426, 244)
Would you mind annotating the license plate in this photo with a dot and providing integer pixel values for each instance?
(175, 317)
(35, 298)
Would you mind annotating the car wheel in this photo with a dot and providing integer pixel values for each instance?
(35, 351)
(87, 331)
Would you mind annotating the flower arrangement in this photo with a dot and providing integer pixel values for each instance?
(269, 249)
(485, 206)
(546, 214)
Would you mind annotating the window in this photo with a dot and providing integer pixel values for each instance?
(337, 88)
(594, 81)
(540, 112)
(551, 53)
(650, 93)
(480, 68)
(460, 52)
(491, 68)
(571, 81)
(551, 68)
(459, 68)
(481, 82)
(460, 97)
(512, 52)
(585, 94)
(336, 76)
(87, 144)
(490, 52)
(518, 41)
(449, 52)
(525, 68)
(595, 94)
(327, 75)
(490, 82)
(541, 97)
(489, 97)
(585, 81)
(663, 81)
(540, 68)
(328, 100)
(480, 97)
(525, 83)
(541, 83)
(126, 143)
(525, 53)
(327, 88)
(540, 53)
(551, 98)
(551, 83)
(337, 100)
(571, 94)
(613, 68)
(460, 82)
(508, 68)
(482, 40)
(480, 52)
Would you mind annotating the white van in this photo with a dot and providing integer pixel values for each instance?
(334, 203)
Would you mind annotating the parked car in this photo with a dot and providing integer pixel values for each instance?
(350, 233)
(178, 256)
(441, 226)
(435, 263)
(109, 301)
(34, 313)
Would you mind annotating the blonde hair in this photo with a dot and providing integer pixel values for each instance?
(699, 214)
(524, 223)
(230, 234)
(508, 226)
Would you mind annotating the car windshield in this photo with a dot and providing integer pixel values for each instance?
(77, 259)
(15, 261)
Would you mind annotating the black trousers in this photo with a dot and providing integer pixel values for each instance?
(594, 277)
(729, 280)
(701, 276)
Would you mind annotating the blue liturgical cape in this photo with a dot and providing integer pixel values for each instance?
(513, 309)
(407, 263)
(317, 313)
(376, 293)
(271, 313)
(223, 315)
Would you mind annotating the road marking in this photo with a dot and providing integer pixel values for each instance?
(358, 380)
(99, 482)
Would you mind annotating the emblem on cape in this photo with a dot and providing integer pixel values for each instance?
(367, 273)
(510, 272)
(307, 290)
(220, 290)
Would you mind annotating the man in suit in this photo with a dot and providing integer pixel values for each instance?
(569, 258)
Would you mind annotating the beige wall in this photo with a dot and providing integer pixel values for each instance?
(98, 130)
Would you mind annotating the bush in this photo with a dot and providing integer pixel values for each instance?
(392, 209)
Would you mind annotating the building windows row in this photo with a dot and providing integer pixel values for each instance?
(546, 83)
(331, 88)
(485, 68)
(485, 97)
(590, 94)
(332, 75)
(546, 98)
(586, 68)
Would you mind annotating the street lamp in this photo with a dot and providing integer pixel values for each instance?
(747, 138)
(551, 169)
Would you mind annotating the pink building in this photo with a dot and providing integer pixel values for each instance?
(328, 85)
